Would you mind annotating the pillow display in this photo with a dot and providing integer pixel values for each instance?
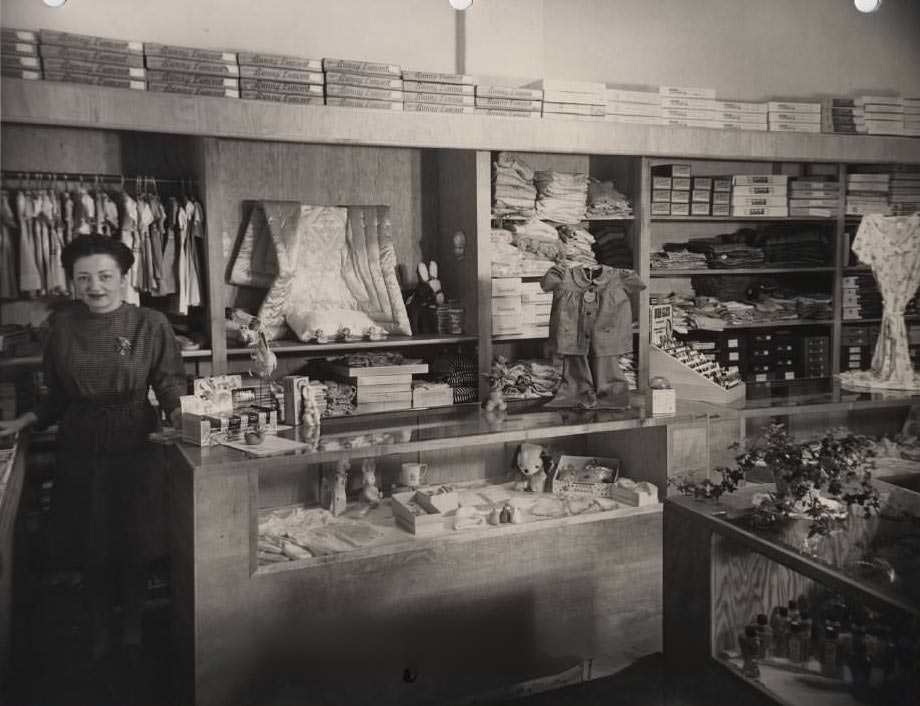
(336, 269)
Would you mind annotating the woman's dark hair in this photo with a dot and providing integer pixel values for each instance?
(96, 244)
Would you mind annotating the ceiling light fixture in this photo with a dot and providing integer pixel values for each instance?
(460, 4)
(54, 3)
(867, 5)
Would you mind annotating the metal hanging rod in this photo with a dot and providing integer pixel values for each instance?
(91, 178)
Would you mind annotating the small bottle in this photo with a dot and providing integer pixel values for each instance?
(750, 648)
(829, 652)
(793, 609)
(797, 643)
(781, 633)
(765, 635)
(807, 628)
(859, 662)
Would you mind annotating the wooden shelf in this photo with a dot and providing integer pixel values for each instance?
(283, 347)
(738, 271)
(32, 360)
(729, 219)
(75, 105)
(915, 317)
(605, 219)
(780, 324)
(530, 336)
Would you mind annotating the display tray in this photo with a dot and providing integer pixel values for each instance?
(380, 532)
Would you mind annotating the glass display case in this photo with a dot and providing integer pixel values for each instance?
(804, 618)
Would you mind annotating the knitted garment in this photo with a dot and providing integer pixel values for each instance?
(98, 368)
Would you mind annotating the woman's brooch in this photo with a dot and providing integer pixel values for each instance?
(123, 346)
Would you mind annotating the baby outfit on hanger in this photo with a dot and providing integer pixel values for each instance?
(590, 326)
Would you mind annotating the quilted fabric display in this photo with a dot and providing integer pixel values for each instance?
(336, 269)
(890, 245)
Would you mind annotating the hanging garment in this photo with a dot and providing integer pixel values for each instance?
(156, 243)
(168, 272)
(890, 245)
(57, 277)
(145, 220)
(68, 209)
(196, 233)
(182, 263)
(9, 286)
(42, 242)
(130, 238)
(30, 278)
(590, 326)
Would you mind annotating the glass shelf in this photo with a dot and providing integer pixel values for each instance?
(283, 347)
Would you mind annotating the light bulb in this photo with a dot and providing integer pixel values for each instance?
(460, 4)
(54, 3)
(868, 5)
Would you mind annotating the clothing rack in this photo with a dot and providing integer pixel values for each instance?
(89, 178)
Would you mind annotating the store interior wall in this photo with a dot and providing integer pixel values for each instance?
(745, 49)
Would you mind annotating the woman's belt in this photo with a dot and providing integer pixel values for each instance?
(97, 426)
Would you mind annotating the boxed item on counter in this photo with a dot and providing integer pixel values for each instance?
(212, 429)
(589, 475)
(418, 511)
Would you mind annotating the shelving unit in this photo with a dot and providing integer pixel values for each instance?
(738, 271)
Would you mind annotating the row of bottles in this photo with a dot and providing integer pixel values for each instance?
(847, 642)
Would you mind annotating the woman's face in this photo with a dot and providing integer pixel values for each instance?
(99, 282)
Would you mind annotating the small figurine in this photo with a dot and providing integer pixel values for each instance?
(422, 304)
(505, 516)
(370, 493)
(495, 517)
(517, 517)
(320, 336)
(496, 401)
(339, 500)
(264, 359)
(529, 461)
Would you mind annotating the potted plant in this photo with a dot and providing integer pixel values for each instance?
(821, 480)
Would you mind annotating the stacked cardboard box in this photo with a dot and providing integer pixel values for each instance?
(728, 348)
(721, 195)
(816, 356)
(912, 117)
(868, 193)
(760, 195)
(573, 100)
(813, 196)
(193, 71)
(904, 191)
(507, 306)
(280, 78)
(776, 356)
(430, 394)
(701, 196)
(100, 61)
(842, 115)
(535, 309)
(857, 344)
(432, 92)
(700, 109)
(882, 115)
(509, 101)
(671, 190)
(626, 106)
(363, 84)
(382, 388)
(785, 116)
(861, 298)
(20, 57)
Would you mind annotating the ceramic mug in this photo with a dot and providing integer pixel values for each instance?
(412, 474)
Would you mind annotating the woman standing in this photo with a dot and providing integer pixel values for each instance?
(101, 358)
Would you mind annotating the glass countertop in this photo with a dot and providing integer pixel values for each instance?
(453, 427)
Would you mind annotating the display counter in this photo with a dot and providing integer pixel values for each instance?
(12, 477)
(861, 584)
(380, 615)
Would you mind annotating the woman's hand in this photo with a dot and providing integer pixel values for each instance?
(14, 426)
